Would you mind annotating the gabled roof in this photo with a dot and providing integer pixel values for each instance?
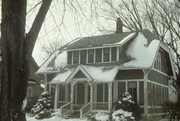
(139, 50)
(109, 39)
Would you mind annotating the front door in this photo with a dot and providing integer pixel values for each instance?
(81, 93)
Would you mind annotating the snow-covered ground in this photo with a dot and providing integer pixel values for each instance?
(54, 118)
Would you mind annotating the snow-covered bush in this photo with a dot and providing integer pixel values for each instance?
(44, 107)
(172, 111)
(126, 108)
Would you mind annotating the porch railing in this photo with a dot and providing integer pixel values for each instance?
(93, 106)
(85, 109)
(65, 108)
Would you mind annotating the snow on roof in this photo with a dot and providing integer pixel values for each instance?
(126, 38)
(142, 54)
(44, 67)
(101, 74)
(60, 60)
(62, 76)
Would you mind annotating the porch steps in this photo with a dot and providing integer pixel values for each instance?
(74, 114)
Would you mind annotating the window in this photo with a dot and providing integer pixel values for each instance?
(120, 52)
(157, 64)
(90, 56)
(132, 89)
(29, 92)
(106, 54)
(98, 55)
(102, 92)
(69, 57)
(83, 56)
(61, 92)
(113, 54)
(76, 57)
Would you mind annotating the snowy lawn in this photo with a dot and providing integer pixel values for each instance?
(54, 118)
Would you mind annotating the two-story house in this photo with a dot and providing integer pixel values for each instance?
(91, 73)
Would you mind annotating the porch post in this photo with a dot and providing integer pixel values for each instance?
(110, 97)
(56, 96)
(45, 83)
(72, 92)
(145, 92)
(91, 99)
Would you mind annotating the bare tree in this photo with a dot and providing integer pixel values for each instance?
(160, 16)
(16, 49)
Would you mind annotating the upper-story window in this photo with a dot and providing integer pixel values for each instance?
(114, 54)
(91, 56)
(83, 56)
(76, 57)
(106, 54)
(69, 58)
(157, 64)
(98, 55)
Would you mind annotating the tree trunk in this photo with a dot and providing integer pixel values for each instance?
(14, 60)
(16, 53)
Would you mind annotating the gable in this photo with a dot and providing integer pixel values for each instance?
(163, 62)
(79, 74)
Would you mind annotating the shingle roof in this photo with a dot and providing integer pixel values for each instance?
(100, 40)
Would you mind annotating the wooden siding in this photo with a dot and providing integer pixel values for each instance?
(130, 74)
(80, 75)
(158, 77)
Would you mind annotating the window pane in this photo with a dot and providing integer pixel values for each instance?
(113, 54)
(98, 55)
(76, 57)
(121, 89)
(120, 52)
(83, 56)
(99, 92)
(106, 54)
(70, 57)
(61, 92)
(106, 92)
(132, 88)
(90, 56)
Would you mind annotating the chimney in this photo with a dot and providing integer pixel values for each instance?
(119, 26)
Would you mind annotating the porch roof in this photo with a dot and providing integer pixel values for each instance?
(101, 74)
(97, 74)
(62, 76)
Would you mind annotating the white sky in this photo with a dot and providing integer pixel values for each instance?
(75, 24)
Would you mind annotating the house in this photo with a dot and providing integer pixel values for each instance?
(91, 73)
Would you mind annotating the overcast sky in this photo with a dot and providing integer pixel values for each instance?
(65, 22)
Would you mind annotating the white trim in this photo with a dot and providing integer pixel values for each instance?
(137, 92)
(79, 68)
(117, 54)
(110, 49)
(154, 69)
(126, 88)
(153, 82)
(127, 80)
(79, 61)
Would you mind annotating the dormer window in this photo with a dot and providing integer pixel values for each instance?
(114, 54)
(98, 55)
(76, 57)
(106, 54)
(91, 56)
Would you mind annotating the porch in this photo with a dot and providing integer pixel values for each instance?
(81, 97)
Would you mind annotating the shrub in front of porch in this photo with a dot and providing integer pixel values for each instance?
(44, 107)
(126, 108)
